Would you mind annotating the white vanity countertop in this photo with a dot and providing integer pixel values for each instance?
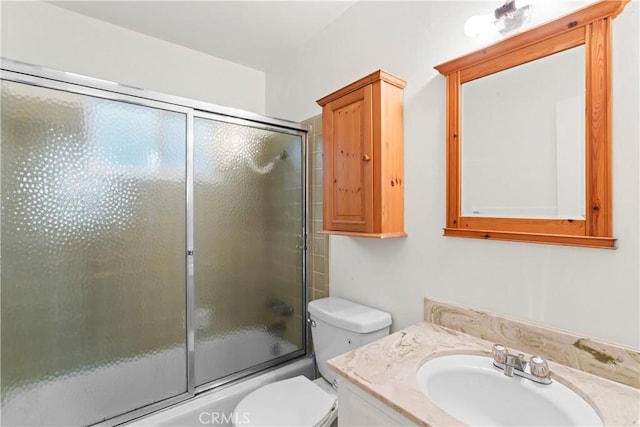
(387, 369)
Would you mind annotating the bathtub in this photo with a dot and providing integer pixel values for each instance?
(215, 407)
(222, 355)
(50, 402)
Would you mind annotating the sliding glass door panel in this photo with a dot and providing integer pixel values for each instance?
(248, 219)
(93, 256)
(104, 190)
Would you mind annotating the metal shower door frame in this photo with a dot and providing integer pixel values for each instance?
(74, 83)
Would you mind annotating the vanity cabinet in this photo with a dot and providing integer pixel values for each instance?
(363, 182)
(358, 408)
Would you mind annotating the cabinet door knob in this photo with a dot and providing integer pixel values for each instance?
(366, 158)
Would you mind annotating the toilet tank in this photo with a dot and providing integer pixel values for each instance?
(338, 326)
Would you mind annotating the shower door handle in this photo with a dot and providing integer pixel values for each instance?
(301, 242)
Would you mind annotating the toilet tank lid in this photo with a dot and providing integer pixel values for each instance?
(349, 315)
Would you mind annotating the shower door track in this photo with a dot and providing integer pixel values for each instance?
(23, 71)
(34, 75)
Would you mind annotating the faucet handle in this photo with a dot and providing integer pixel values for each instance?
(500, 353)
(539, 367)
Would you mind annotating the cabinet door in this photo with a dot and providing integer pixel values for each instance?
(357, 408)
(348, 162)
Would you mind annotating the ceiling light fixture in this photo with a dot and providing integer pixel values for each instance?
(505, 20)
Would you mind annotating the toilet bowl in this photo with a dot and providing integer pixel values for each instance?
(337, 326)
(293, 402)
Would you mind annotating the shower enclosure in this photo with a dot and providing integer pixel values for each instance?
(152, 247)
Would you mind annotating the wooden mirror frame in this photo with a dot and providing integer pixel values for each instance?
(591, 27)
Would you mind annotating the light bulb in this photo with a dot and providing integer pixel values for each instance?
(479, 25)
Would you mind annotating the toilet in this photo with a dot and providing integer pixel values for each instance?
(337, 326)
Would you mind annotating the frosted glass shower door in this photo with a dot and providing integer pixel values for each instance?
(93, 255)
(248, 219)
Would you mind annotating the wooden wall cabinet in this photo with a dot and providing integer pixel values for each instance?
(363, 179)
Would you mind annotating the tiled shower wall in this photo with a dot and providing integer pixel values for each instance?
(319, 243)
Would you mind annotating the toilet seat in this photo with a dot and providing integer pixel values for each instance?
(293, 402)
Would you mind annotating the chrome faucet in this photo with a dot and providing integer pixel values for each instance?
(514, 363)
(536, 369)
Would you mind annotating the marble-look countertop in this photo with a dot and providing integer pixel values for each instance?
(387, 369)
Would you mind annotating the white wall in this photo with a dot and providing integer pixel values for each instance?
(42, 34)
(589, 291)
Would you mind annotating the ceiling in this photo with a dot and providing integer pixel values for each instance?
(252, 33)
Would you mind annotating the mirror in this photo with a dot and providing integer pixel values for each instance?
(529, 134)
(523, 140)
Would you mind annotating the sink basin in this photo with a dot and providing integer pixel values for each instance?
(475, 392)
